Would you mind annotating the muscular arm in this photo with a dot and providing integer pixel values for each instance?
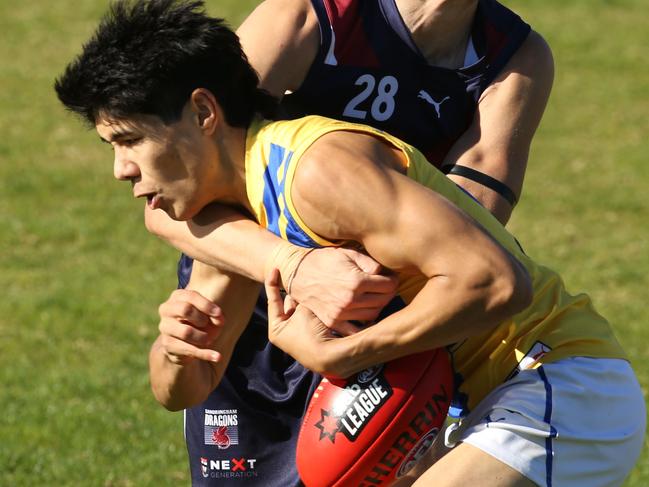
(337, 284)
(471, 282)
(509, 111)
(243, 246)
(183, 366)
(282, 57)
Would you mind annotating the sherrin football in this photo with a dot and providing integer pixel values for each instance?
(373, 428)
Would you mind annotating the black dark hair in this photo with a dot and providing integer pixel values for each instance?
(147, 56)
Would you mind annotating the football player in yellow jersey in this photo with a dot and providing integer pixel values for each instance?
(561, 406)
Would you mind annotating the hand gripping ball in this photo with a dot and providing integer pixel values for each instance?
(372, 428)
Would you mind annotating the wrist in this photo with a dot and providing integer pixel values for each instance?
(286, 258)
(351, 354)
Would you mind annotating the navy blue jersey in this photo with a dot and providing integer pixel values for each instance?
(369, 70)
(245, 433)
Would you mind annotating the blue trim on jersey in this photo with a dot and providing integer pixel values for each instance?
(184, 270)
(549, 452)
(393, 17)
(470, 195)
(274, 193)
(273, 187)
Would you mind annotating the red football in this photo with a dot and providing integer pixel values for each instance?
(373, 428)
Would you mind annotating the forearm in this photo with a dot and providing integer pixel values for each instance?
(179, 386)
(497, 143)
(493, 201)
(439, 315)
(190, 356)
(223, 238)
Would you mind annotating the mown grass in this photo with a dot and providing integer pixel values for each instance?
(81, 279)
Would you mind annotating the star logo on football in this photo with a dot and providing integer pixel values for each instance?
(328, 425)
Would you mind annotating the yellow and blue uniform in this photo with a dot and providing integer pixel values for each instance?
(555, 326)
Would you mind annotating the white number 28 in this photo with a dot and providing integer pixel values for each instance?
(383, 104)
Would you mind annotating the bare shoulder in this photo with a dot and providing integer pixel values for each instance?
(281, 39)
(295, 14)
(338, 176)
(345, 155)
(533, 57)
(530, 70)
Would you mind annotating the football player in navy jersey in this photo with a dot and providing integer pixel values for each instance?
(464, 81)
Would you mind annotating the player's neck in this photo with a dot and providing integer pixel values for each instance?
(232, 153)
(440, 28)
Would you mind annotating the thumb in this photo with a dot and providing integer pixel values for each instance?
(289, 305)
(275, 302)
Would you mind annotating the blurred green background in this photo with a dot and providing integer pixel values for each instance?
(81, 278)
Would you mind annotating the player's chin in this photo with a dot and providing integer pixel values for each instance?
(178, 211)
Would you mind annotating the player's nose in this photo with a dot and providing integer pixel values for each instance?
(124, 169)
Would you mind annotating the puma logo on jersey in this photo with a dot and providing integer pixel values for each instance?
(429, 99)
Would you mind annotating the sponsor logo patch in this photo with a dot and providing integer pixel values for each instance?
(228, 468)
(204, 467)
(221, 428)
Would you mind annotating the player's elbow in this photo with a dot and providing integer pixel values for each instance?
(167, 401)
(173, 401)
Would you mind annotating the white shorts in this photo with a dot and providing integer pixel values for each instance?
(576, 422)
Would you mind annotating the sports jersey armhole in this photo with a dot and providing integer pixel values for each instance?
(324, 24)
(290, 175)
(519, 34)
(392, 143)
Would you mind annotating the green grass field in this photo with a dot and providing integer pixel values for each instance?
(81, 278)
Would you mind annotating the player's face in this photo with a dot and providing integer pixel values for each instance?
(173, 166)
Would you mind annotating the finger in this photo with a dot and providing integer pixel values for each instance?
(179, 350)
(193, 309)
(360, 314)
(369, 301)
(207, 354)
(275, 302)
(184, 312)
(188, 333)
(344, 328)
(198, 301)
(381, 284)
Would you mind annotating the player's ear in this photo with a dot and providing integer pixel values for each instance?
(207, 110)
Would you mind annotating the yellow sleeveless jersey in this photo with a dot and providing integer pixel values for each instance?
(555, 326)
